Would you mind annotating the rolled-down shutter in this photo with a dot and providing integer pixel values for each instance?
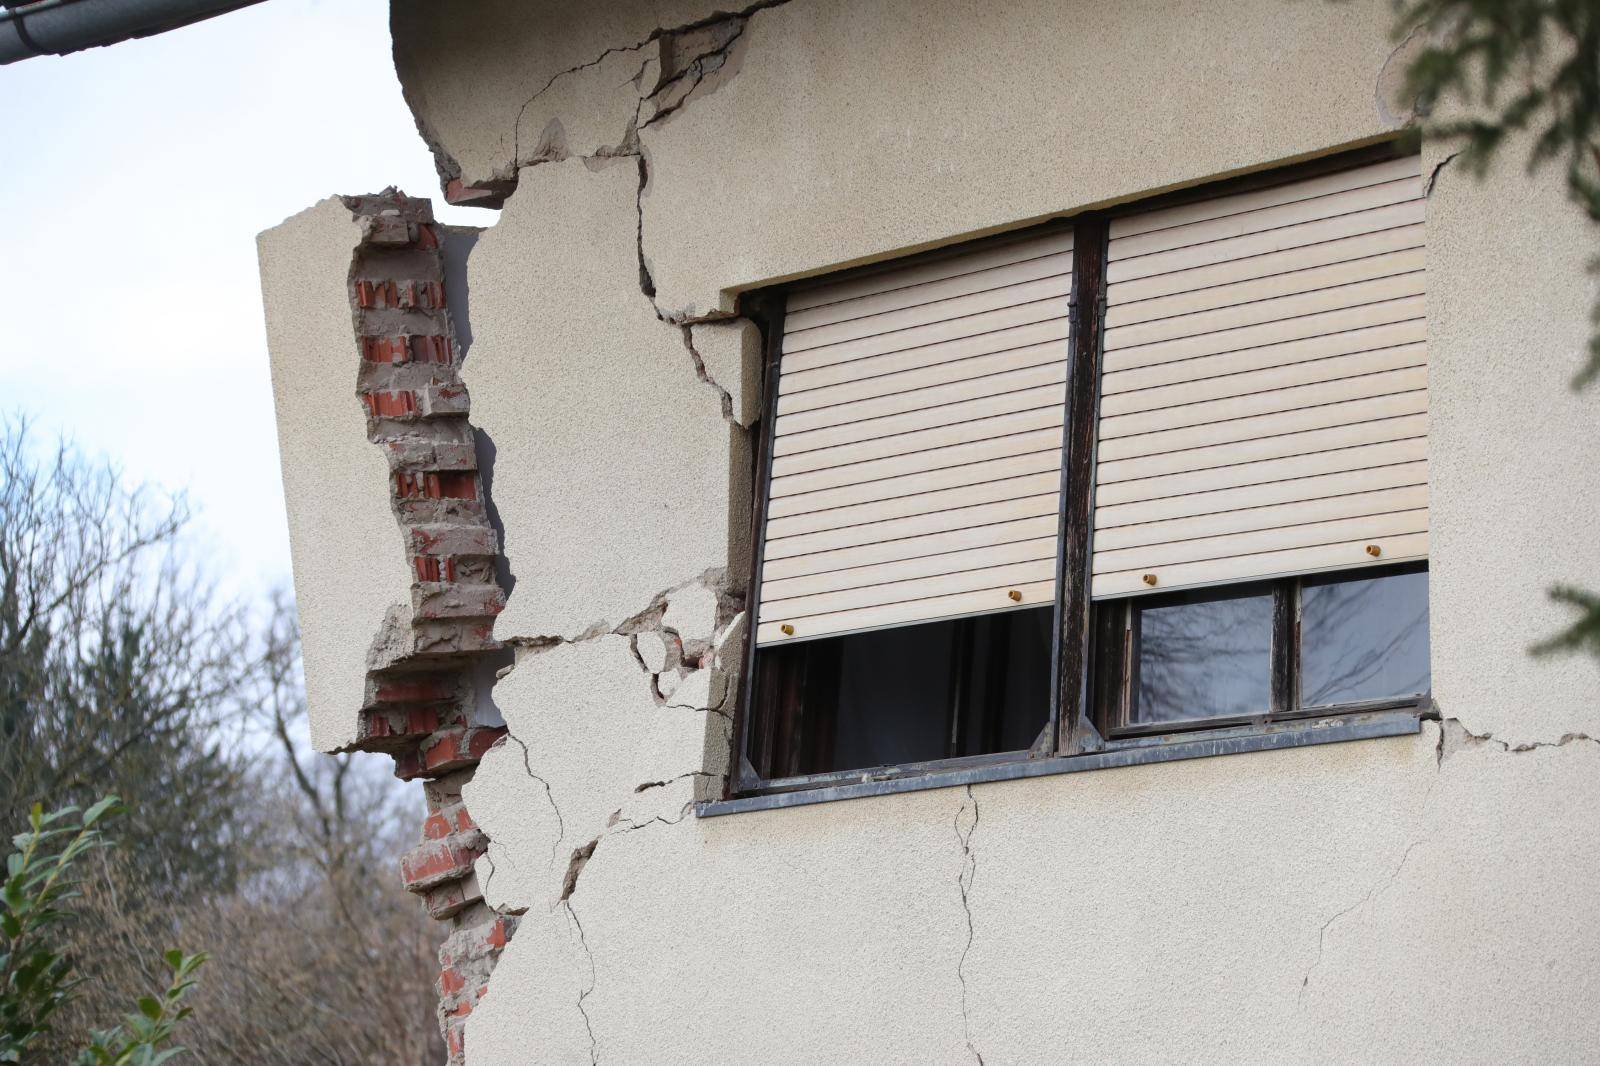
(916, 460)
(1264, 405)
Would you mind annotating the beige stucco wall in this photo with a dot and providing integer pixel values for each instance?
(1426, 898)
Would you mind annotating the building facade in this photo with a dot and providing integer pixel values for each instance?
(938, 532)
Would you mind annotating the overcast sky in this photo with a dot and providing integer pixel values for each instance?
(134, 180)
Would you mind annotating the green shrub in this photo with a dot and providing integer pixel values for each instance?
(36, 976)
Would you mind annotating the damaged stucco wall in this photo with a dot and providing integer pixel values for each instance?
(1430, 897)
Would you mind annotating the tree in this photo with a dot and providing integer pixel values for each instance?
(116, 664)
(1506, 72)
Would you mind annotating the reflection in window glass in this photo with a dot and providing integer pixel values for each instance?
(1364, 639)
(1208, 658)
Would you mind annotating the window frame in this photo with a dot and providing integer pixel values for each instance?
(1285, 655)
(1073, 738)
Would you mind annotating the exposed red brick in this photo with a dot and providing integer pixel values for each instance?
(417, 407)
(394, 404)
(416, 689)
(436, 861)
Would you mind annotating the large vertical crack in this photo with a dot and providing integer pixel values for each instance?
(964, 879)
(587, 990)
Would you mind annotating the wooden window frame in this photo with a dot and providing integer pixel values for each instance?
(1074, 733)
(1286, 664)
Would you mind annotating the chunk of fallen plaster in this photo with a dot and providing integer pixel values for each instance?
(652, 649)
(692, 612)
(667, 683)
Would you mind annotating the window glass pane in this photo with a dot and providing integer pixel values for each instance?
(1204, 658)
(938, 690)
(1363, 639)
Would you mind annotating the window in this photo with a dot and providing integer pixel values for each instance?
(1152, 473)
(1261, 652)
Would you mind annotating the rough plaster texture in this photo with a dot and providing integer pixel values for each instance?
(1428, 898)
(614, 471)
(349, 561)
(1514, 457)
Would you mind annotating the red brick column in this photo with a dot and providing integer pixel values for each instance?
(421, 695)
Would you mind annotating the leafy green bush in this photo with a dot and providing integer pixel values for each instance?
(36, 977)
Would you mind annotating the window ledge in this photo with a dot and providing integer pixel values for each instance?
(1293, 734)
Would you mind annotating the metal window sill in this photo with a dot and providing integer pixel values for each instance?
(1137, 752)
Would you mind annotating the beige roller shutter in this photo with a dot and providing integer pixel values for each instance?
(1264, 405)
(916, 459)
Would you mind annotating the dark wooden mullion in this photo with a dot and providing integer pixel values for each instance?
(1076, 732)
(1285, 646)
(768, 312)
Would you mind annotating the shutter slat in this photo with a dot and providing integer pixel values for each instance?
(1262, 472)
(893, 324)
(1224, 364)
(903, 569)
(1234, 453)
(1264, 385)
(1152, 558)
(793, 384)
(909, 381)
(1267, 401)
(1218, 500)
(1217, 207)
(1280, 423)
(1408, 213)
(918, 399)
(806, 326)
(936, 502)
(1054, 307)
(1277, 216)
(1342, 555)
(928, 462)
(1267, 333)
(922, 441)
(1265, 380)
(1403, 261)
(1255, 518)
(960, 605)
(1269, 264)
(1047, 459)
(987, 514)
(917, 547)
(916, 469)
(906, 423)
(1203, 327)
(986, 577)
(892, 276)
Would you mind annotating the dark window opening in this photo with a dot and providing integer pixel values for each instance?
(912, 694)
(1212, 656)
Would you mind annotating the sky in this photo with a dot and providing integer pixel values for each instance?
(134, 181)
